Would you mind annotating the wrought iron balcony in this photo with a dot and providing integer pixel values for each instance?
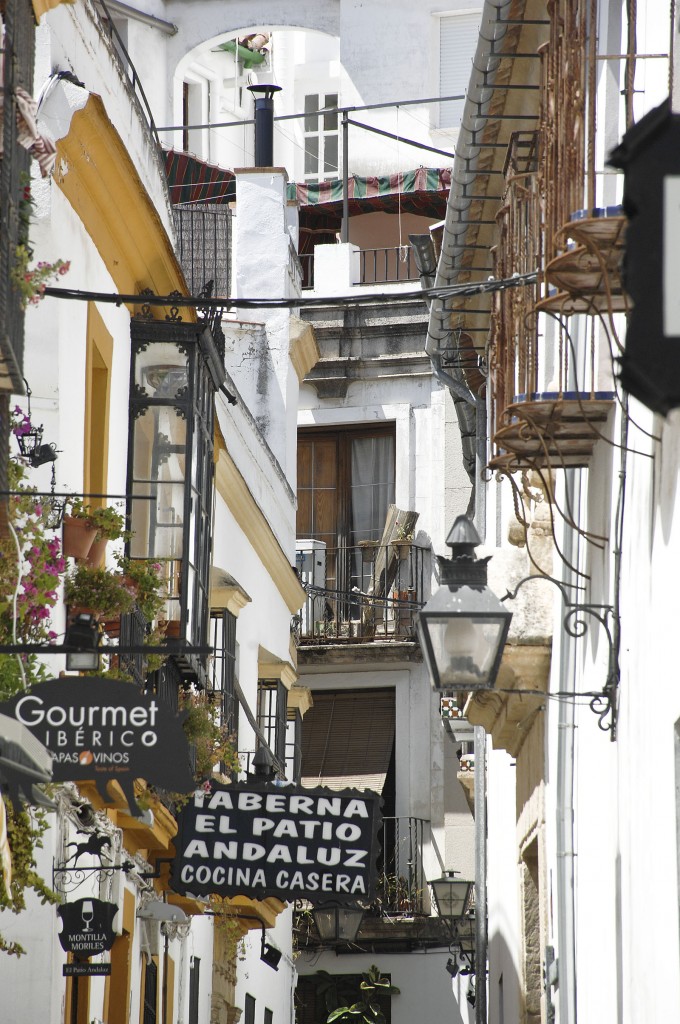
(387, 265)
(401, 882)
(368, 592)
(546, 412)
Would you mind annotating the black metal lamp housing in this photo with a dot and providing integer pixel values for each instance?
(337, 924)
(451, 895)
(463, 627)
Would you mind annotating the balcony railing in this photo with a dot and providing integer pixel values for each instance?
(376, 266)
(401, 888)
(362, 593)
(387, 266)
(546, 408)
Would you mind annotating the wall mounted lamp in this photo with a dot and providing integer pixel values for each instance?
(29, 438)
(451, 896)
(463, 627)
(336, 923)
(82, 633)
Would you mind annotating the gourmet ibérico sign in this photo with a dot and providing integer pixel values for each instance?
(289, 842)
(106, 729)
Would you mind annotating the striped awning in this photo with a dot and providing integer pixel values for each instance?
(422, 191)
(191, 180)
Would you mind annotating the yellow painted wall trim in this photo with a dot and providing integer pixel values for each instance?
(300, 697)
(265, 911)
(97, 176)
(41, 7)
(271, 667)
(225, 592)
(233, 489)
(304, 349)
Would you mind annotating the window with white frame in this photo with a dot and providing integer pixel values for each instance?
(321, 137)
(458, 35)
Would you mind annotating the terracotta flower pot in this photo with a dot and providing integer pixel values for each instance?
(111, 627)
(77, 537)
(170, 628)
(95, 556)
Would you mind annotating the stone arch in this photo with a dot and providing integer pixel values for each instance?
(227, 19)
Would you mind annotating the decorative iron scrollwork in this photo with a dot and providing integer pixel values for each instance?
(173, 315)
(576, 623)
(145, 312)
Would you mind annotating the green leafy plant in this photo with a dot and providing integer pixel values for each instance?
(146, 577)
(103, 591)
(25, 829)
(211, 741)
(107, 521)
(31, 282)
(31, 565)
(367, 1009)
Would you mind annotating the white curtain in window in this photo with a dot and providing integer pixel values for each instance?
(372, 486)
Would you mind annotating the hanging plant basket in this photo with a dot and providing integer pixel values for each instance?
(78, 537)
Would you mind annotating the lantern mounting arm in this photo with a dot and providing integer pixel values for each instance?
(576, 621)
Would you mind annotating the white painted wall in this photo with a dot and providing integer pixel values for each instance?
(625, 793)
(334, 46)
(426, 989)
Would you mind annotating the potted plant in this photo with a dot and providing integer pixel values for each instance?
(145, 576)
(101, 591)
(88, 529)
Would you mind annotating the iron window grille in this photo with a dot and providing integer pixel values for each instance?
(272, 699)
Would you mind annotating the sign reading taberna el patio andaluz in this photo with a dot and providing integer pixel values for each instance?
(267, 840)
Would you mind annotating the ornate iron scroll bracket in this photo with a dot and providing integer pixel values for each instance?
(67, 879)
(576, 622)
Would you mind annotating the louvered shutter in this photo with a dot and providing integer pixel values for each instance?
(347, 739)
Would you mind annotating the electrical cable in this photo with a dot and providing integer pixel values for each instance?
(492, 284)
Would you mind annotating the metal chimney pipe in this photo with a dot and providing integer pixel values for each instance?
(264, 123)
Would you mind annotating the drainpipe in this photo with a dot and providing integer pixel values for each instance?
(481, 924)
(264, 123)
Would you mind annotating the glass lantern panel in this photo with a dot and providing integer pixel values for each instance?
(162, 370)
(463, 650)
(159, 458)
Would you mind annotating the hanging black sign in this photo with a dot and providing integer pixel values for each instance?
(105, 729)
(649, 154)
(289, 842)
(87, 927)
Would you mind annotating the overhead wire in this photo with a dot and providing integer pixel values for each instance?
(177, 300)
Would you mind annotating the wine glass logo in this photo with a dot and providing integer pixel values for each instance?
(87, 914)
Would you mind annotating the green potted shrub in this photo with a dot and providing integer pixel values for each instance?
(145, 576)
(101, 591)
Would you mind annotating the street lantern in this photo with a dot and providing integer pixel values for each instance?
(463, 627)
(337, 924)
(176, 368)
(451, 896)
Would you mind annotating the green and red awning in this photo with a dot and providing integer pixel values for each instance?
(423, 191)
(194, 181)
